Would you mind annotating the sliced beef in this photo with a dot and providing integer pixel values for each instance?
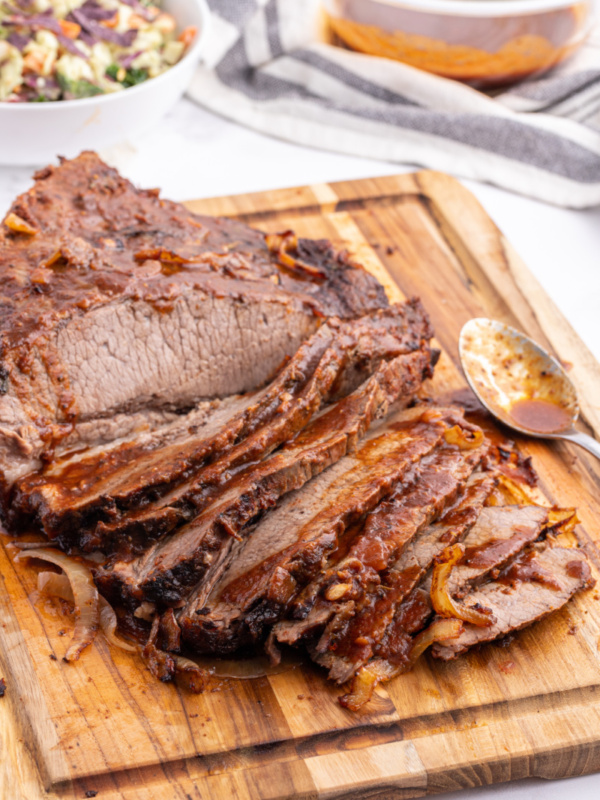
(116, 302)
(68, 501)
(419, 554)
(379, 618)
(407, 571)
(95, 482)
(170, 569)
(491, 536)
(537, 583)
(410, 617)
(364, 603)
(293, 544)
(406, 580)
(499, 533)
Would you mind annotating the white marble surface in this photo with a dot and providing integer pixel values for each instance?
(195, 154)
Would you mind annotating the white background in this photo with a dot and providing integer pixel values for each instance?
(194, 154)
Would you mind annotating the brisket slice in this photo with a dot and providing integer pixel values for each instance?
(499, 534)
(69, 501)
(169, 570)
(360, 615)
(292, 545)
(408, 570)
(419, 554)
(513, 526)
(538, 582)
(403, 575)
(120, 303)
(394, 653)
(76, 490)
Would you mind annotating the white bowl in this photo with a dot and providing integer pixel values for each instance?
(35, 133)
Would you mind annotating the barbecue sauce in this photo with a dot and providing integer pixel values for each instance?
(540, 416)
(526, 570)
(579, 569)
(494, 552)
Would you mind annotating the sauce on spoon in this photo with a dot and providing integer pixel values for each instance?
(540, 416)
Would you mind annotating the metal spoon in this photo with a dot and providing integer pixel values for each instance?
(521, 384)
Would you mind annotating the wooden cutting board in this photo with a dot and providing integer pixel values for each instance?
(532, 708)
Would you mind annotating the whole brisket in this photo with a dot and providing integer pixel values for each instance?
(99, 506)
(236, 421)
(118, 305)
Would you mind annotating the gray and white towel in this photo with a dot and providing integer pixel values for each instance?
(266, 67)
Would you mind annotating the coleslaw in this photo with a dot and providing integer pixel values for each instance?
(67, 49)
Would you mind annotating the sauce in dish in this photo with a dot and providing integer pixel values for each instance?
(469, 42)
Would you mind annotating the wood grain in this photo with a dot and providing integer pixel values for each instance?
(532, 708)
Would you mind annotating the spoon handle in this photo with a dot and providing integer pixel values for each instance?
(585, 441)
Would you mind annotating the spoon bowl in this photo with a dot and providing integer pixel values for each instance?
(520, 383)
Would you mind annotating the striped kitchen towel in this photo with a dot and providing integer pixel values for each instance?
(268, 68)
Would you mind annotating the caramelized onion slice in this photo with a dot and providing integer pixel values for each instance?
(281, 245)
(443, 602)
(189, 674)
(30, 545)
(513, 492)
(16, 223)
(439, 631)
(365, 682)
(562, 520)
(108, 621)
(51, 583)
(465, 440)
(85, 597)
(55, 585)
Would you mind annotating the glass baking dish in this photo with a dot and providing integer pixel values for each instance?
(484, 43)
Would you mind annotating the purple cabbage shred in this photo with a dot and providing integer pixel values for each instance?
(101, 33)
(18, 40)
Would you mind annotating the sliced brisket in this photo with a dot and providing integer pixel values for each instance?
(490, 535)
(368, 589)
(170, 569)
(538, 582)
(69, 501)
(119, 303)
(292, 545)
(404, 575)
(499, 534)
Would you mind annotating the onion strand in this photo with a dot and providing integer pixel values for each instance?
(85, 597)
(464, 440)
(443, 602)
